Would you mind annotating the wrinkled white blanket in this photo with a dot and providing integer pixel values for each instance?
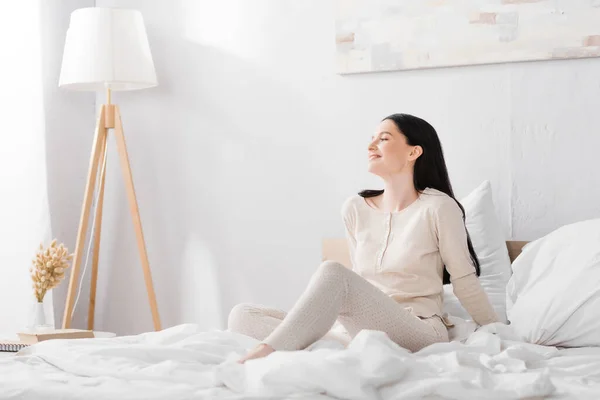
(184, 362)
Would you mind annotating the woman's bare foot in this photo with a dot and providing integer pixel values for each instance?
(262, 350)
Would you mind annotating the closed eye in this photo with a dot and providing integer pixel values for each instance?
(382, 136)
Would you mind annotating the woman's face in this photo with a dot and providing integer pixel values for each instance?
(388, 151)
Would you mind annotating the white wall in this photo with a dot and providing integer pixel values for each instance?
(244, 153)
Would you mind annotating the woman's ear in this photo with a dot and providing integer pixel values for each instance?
(415, 153)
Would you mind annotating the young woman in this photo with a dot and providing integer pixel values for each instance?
(405, 242)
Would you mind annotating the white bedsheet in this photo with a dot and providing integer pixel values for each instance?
(185, 363)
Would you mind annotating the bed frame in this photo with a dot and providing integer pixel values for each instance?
(336, 249)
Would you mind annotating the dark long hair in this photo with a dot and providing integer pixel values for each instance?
(430, 168)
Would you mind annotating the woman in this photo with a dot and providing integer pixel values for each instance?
(405, 242)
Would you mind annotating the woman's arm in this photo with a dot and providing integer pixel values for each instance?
(452, 242)
(349, 218)
(472, 297)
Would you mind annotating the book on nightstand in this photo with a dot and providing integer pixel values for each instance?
(36, 337)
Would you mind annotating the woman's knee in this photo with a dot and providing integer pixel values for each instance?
(331, 268)
(240, 316)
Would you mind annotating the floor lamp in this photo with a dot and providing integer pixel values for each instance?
(106, 49)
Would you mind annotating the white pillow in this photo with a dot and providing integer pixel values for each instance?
(490, 246)
(553, 296)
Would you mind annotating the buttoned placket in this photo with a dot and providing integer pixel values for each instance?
(387, 225)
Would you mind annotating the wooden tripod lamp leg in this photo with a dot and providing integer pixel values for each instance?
(97, 231)
(135, 214)
(99, 139)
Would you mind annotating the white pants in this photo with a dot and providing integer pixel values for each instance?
(335, 293)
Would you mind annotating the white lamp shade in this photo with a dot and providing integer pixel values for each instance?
(107, 48)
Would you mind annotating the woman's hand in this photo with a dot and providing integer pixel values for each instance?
(260, 351)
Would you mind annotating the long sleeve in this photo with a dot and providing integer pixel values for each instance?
(452, 242)
(472, 297)
(349, 218)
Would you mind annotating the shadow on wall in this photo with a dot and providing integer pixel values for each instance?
(69, 122)
(193, 183)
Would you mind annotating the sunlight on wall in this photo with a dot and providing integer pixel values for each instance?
(225, 25)
(24, 209)
(199, 287)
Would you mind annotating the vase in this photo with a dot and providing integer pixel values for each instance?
(40, 320)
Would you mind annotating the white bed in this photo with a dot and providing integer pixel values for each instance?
(184, 362)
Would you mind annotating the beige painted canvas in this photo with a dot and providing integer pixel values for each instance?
(387, 35)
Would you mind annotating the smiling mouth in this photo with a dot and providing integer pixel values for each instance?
(374, 157)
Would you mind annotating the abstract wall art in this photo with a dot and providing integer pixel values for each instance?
(387, 35)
